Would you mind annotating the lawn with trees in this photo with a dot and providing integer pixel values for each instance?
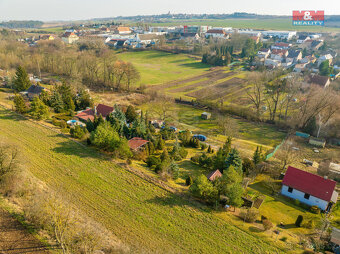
(121, 201)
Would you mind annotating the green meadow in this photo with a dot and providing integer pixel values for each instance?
(158, 67)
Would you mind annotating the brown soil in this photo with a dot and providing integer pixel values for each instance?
(15, 239)
(218, 90)
(211, 80)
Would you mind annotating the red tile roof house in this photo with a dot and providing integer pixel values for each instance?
(88, 114)
(214, 175)
(309, 189)
(136, 143)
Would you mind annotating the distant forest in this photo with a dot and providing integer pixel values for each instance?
(22, 24)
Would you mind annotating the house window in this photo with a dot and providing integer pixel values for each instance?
(306, 196)
(290, 189)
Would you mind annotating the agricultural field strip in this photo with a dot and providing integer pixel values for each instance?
(95, 186)
(209, 82)
(216, 91)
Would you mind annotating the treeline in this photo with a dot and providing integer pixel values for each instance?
(89, 63)
(222, 52)
(22, 24)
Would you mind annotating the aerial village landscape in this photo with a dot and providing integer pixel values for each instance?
(170, 133)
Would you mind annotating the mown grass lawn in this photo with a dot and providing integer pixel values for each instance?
(158, 67)
(145, 217)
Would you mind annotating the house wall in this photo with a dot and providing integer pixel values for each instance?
(312, 201)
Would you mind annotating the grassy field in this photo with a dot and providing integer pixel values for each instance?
(158, 67)
(145, 217)
(275, 24)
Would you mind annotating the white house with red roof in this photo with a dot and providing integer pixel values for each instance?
(309, 189)
(216, 33)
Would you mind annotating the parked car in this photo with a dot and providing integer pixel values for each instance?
(200, 137)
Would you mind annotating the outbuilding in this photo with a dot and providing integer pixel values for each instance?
(317, 142)
(206, 115)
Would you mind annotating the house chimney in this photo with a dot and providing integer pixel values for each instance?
(325, 177)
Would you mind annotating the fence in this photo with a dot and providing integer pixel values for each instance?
(275, 150)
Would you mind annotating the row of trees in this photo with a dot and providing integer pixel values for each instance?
(96, 67)
(280, 98)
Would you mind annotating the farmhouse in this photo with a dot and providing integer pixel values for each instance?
(263, 53)
(280, 34)
(317, 142)
(213, 175)
(122, 30)
(47, 37)
(136, 143)
(281, 45)
(309, 189)
(302, 39)
(206, 115)
(88, 114)
(33, 91)
(216, 33)
(69, 37)
(322, 81)
(325, 58)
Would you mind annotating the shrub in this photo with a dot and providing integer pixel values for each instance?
(251, 215)
(297, 202)
(283, 239)
(310, 224)
(203, 146)
(152, 161)
(315, 209)
(299, 221)
(195, 158)
(128, 161)
(77, 132)
(263, 218)
(267, 224)
(188, 181)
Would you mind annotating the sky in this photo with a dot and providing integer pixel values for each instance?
(53, 10)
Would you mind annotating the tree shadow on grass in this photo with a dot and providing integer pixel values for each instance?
(174, 200)
(70, 147)
(255, 229)
(8, 115)
(195, 65)
(259, 186)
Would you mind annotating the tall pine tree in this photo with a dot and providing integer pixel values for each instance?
(21, 80)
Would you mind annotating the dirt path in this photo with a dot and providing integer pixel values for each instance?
(15, 239)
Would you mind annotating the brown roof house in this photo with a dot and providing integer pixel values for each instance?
(322, 81)
(214, 175)
(123, 30)
(100, 109)
(33, 91)
(137, 144)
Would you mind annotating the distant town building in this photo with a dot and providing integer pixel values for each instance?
(69, 37)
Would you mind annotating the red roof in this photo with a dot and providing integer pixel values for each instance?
(103, 110)
(282, 44)
(86, 114)
(136, 143)
(214, 174)
(314, 185)
(216, 31)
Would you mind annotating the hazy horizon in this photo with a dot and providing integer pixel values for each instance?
(70, 10)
